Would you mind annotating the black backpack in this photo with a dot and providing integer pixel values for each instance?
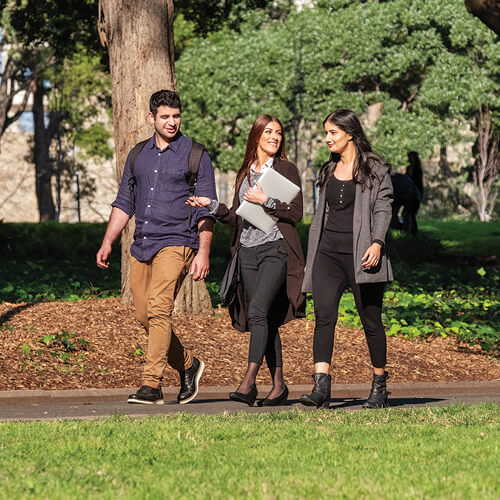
(191, 175)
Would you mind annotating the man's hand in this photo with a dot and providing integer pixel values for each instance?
(102, 256)
(200, 266)
(117, 221)
(201, 263)
(371, 257)
(198, 201)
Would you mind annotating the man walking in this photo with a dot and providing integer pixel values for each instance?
(169, 241)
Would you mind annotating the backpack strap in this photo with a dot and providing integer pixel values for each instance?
(132, 181)
(194, 161)
(192, 174)
(193, 165)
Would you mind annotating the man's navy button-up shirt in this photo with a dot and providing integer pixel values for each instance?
(161, 213)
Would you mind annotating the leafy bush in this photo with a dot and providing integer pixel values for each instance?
(63, 345)
(440, 290)
(469, 313)
(403, 247)
(66, 346)
(57, 279)
(50, 240)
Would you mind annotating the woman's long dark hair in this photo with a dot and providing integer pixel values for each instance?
(348, 121)
(251, 151)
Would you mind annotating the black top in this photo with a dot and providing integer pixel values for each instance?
(340, 199)
(337, 235)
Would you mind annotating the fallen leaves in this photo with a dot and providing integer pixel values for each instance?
(113, 358)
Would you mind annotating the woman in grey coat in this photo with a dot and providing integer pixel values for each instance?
(347, 247)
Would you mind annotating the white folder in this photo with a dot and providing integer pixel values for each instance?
(275, 186)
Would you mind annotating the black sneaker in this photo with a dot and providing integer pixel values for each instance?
(189, 381)
(147, 396)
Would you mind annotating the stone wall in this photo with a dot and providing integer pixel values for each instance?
(445, 183)
(18, 198)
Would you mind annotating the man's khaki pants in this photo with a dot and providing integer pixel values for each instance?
(154, 286)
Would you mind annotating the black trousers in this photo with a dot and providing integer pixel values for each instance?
(410, 205)
(331, 273)
(263, 274)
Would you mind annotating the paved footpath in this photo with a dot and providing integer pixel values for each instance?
(92, 403)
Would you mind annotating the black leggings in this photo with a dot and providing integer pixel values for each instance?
(263, 274)
(331, 273)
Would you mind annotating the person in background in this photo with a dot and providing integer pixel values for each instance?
(415, 172)
(271, 265)
(408, 192)
(347, 247)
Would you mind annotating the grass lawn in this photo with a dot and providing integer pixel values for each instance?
(438, 452)
(465, 238)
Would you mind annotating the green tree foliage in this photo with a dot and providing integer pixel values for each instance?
(208, 16)
(429, 63)
(201, 19)
(62, 25)
(57, 46)
(230, 79)
(80, 89)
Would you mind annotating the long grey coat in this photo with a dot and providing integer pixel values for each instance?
(371, 219)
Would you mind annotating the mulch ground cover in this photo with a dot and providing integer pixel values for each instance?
(110, 352)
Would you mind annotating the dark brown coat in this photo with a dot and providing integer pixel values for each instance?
(293, 305)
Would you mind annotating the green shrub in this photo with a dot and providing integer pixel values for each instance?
(50, 240)
(441, 289)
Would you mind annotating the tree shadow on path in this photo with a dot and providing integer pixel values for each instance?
(12, 312)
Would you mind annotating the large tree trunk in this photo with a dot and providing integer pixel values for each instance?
(43, 167)
(193, 297)
(488, 11)
(139, 36)
(140, 40)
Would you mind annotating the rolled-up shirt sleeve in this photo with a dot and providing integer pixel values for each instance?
(205, 186)
(124, 199)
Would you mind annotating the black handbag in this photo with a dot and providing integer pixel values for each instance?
(230, 281)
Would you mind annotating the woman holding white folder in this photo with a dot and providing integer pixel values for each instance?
(271, 265)
(347, 247)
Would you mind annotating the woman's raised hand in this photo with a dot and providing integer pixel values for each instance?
(255, 195)
(198, 201)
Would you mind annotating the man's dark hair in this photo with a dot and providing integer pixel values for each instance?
(164, 98)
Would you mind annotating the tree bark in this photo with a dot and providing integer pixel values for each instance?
(13, 80)
(488, 11)
(43, 167)
(487, 166)
(139, 37)
(193, 297)
(140, 40)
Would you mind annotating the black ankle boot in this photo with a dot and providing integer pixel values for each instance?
(378, 394)
(320, 396)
